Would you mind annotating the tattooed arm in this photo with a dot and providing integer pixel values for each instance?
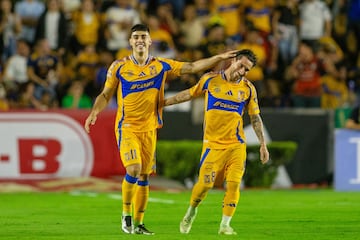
(257, 125)
(206, 63)
(182, 96)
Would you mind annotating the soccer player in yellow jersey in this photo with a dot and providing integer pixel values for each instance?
(228, 94)
(139, 80)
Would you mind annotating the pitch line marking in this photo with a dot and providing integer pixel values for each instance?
(155, 200)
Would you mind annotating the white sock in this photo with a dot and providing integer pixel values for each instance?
(191, 211)
(225, 221)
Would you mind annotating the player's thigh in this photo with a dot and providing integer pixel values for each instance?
(235, 165)
(148, 146)
(210, 166)
(129, 146)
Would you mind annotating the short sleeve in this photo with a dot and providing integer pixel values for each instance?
(111, 80)
(201, 86)
(253, 105)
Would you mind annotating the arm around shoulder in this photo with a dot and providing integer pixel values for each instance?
(206, 63)
(180, 97)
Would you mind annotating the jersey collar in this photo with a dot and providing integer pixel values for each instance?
(133, 59)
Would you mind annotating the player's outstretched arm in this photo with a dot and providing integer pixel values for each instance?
(100, 104)
(257, 125)
(206, 63)
(180, 97)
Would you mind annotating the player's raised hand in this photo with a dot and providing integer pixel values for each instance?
(228, 54)
(91, 119)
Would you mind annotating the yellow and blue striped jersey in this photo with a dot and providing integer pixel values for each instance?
(225, 104)
(140, 91)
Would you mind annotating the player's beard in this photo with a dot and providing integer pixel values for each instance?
(237, 76)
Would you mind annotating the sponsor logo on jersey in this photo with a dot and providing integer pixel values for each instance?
(226, 105)
(142, 85)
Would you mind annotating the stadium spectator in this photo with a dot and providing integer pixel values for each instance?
(43, 69)
(203, 10)
(70, 6)
(10, 28)
(259, 13)
(305, 73)
(335, 93)
(162, 42)
(15, 72)
(123, 52)
(192, 27)
(87, 24)
(49, 101)
(118, 19)
(230, 16)
(52, 25)
(105, 60)
(76, 98)
(254, 42)
(224, 149)
(86, 62)
(340, 22)
(164, 11)
(315, 21)
(139, 115)
(284, 27)
(27, 99)
(29, 11)
(214, 42)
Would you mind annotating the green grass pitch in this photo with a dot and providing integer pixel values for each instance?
(261, 214)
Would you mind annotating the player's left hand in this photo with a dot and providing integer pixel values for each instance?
(264, 154)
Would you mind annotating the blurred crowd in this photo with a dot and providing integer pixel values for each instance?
(55, 53)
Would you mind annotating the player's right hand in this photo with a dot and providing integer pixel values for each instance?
(91, 119)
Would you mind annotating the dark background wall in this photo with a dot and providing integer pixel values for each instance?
(312, 130)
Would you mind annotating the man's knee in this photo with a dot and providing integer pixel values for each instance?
(134, 170)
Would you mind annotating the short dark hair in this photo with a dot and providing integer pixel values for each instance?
(140, 27)
(247, 53)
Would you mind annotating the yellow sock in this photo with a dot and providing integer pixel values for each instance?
(231, 199)
(141, 200)
(128, 190)
(198, 194)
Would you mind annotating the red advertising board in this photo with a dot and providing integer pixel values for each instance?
(54, 144)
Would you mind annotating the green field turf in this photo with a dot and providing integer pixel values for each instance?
(261, 214)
